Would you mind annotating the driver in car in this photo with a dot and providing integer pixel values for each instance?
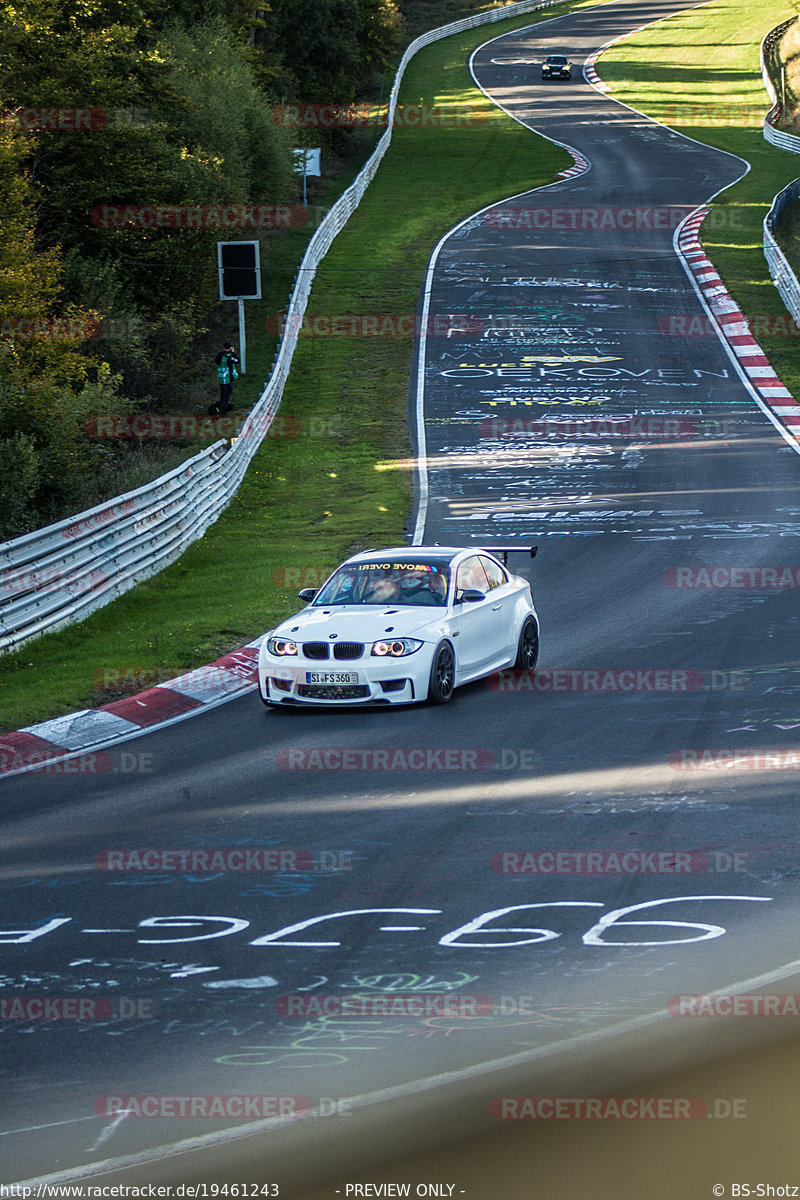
(424, 587)
(382, 590)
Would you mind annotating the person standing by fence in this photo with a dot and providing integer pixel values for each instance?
(227, 362)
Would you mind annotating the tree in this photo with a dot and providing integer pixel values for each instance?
(330, 49)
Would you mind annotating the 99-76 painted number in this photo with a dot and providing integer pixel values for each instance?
(472, 935)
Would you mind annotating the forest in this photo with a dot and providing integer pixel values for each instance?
(129, 133)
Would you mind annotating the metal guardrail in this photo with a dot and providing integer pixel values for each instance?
(60, 574)
(769, 63)
(779, 137)
(782, 274)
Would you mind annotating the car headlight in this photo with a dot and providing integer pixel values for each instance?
(281, 647)
(398, 648)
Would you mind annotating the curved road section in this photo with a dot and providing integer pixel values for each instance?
(588, 387)
(221, 939)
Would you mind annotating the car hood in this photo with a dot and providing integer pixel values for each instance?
(363, 623)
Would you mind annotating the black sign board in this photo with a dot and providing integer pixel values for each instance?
(239, 271)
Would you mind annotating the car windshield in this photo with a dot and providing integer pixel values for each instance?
(556, 60)
(387, 582)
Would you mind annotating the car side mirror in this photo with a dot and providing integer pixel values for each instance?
(469, 596)
(308, 594)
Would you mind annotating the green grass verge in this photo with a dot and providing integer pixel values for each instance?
(699, 73)
(308, 500)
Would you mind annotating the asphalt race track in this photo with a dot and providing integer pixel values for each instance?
(504, 887)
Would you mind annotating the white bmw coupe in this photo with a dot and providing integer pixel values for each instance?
(399, 626)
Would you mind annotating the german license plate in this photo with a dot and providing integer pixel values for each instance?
(331, 677)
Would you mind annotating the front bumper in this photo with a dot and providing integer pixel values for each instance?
(369, 681)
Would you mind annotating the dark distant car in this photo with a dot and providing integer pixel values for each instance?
(556, 66)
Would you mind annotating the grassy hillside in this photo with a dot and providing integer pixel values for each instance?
(335, 476)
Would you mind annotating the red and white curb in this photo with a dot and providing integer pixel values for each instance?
(581, 164)
(754, 367)
(730, 320)
(92, 728)
(590, 74)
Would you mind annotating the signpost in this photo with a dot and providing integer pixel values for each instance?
(239, 268)
(307, 162)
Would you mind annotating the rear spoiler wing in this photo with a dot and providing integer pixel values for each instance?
(504, 551)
